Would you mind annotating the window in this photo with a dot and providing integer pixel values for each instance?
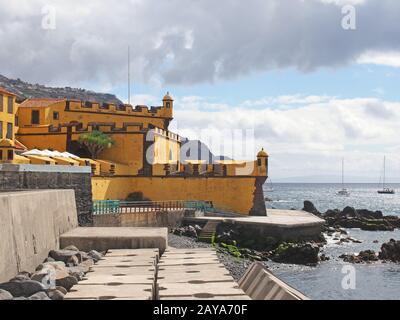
(16, 121)
(168, 104)
(10, 155)
(35, 117)
(56, 115)
(1, 129)
(259, 163)
(9, 131)
(1, 102)
(1, 154)
(10, 108)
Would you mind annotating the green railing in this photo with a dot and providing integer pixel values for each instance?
(101, 207)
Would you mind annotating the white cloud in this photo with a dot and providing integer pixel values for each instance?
(390, 58)
(305, 139)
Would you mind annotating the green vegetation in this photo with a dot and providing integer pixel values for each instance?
(95, 141)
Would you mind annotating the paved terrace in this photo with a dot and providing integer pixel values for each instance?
(279, 218)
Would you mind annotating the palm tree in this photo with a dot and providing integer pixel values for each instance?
(96, 141)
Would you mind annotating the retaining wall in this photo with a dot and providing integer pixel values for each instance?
(29, 177)
(162, 219)
(31, 223)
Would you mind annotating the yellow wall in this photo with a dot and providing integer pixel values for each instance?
(6, 117)
(232, 194)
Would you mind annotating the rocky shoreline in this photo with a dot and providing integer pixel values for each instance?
(54, 278)
(351, 218)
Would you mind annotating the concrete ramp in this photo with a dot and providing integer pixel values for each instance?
(261, 284)
(195, 274)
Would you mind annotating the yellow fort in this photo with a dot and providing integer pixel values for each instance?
(144, 159)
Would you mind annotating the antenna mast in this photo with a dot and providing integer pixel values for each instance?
(129, 75)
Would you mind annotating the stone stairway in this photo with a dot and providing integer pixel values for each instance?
(208, 231)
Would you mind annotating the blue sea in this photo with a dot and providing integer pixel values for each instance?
(371, 281)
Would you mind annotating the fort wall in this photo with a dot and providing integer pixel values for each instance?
(230, 194)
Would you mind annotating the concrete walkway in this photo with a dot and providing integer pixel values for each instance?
(120, 275)
(140, 274)
(195, 274)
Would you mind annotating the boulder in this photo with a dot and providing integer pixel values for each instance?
(66, 281)
(55, 294)
(5, 295)
(62, 290)
(309, 207)
(349, 212)
(305, 254)
(46, 276)
(366, 256)
(390, 251)
(95, 255)
(190, 232)
(39, 296)
(364, 213)
(20, 277)
(66, 256)
(71, 248)
(23, 288)
(78, 272)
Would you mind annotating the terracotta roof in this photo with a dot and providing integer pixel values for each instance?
(167, 97)
(262, 154)
(6, 143)
(39, 102)
(2, 90)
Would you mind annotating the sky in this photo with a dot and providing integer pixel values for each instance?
(311, 81)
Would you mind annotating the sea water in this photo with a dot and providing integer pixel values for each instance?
(372, 281)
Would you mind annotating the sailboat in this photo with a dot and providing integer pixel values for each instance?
(270, 186)
(344, 191)
(384, 189)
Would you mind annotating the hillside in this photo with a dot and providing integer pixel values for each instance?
(25, 90)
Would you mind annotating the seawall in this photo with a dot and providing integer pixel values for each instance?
(229, 194)
(31, 225)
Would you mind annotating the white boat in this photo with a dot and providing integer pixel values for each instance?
(344, 191)
(384, 189)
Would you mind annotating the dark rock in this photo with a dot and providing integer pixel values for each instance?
(84, 256)
(78, 272)
(62, 290)
(309, 207)
(366, 256)
(306, 254)
(349, 212)
(375, 241)
(5, 295)
(20, 277)
(55, 294)
(66, 282)
(323, 257)
(96, 256)
(66, 256)
(71, 248)
(370, 214)
(23, 288)
(39, 296)
(390, 251)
